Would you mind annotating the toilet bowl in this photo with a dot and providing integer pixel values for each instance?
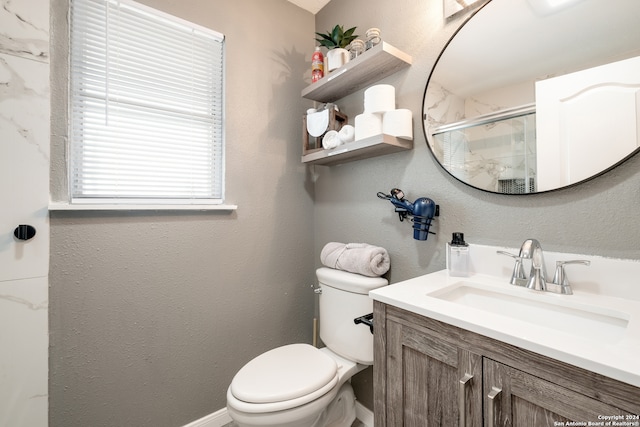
(296, 385)
(299, 385)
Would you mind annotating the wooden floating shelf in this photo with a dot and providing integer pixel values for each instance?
(376, 63)
(377, 145)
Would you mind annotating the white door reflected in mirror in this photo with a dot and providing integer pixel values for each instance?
(598, 104)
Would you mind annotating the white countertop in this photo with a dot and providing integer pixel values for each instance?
(615, 356)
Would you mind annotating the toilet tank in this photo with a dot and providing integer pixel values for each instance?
(344, 297)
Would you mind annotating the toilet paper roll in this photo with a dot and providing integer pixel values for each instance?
(379, 98)
(347, 134)
(398, 123)
(367, 124)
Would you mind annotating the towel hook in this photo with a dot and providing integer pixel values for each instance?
(24, 232)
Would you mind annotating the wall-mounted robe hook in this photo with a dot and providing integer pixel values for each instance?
(24, 232)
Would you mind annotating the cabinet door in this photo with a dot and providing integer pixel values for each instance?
(516, 399)
(429, 380)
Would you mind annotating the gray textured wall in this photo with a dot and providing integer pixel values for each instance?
(152, 313)
(598, 217)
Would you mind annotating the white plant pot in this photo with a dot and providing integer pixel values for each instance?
(336, 58)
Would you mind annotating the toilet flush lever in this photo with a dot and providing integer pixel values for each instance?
(316, 290)
(367, 319)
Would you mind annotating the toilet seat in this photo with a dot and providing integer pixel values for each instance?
(283, 378)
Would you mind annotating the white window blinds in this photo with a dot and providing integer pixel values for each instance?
(146, 106)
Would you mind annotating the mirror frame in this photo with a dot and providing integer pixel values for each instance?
(471, 15)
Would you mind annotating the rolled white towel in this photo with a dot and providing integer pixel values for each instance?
(359, 258)
(347, 134)
(330, 140)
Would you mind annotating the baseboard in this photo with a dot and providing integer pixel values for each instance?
(364, 414)
(221, 418)
(217, 419)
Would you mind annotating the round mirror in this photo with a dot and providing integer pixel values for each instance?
(528, 97)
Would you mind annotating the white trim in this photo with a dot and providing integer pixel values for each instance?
(219, 418)
(364, 414)
(62, 206)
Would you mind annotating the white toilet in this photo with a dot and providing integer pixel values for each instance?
(299, 385)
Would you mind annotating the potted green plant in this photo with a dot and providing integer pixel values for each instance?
(336, 42)
(337, 38)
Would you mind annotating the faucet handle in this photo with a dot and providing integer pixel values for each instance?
(517, 276)
(507, 254)
(560, 277)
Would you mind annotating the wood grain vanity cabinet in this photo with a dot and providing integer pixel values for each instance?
(428, 373)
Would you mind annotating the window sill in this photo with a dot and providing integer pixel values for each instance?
(61, 206)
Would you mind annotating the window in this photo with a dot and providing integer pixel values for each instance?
(146, 119)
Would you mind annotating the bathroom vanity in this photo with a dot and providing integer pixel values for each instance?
(477, 351)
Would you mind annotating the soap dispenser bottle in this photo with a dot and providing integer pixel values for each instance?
(458, 256)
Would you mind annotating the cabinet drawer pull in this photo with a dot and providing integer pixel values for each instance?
(493, 396)
(462, 398)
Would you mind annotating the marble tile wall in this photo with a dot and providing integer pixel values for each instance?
(476, 155)
(25, 29)
(24, 190)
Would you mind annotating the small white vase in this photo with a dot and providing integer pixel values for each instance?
(336, 58)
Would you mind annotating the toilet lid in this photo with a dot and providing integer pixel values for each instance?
(284, 373)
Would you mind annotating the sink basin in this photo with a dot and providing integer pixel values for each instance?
(556, 312)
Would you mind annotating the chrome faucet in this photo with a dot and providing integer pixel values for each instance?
(531, 249)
